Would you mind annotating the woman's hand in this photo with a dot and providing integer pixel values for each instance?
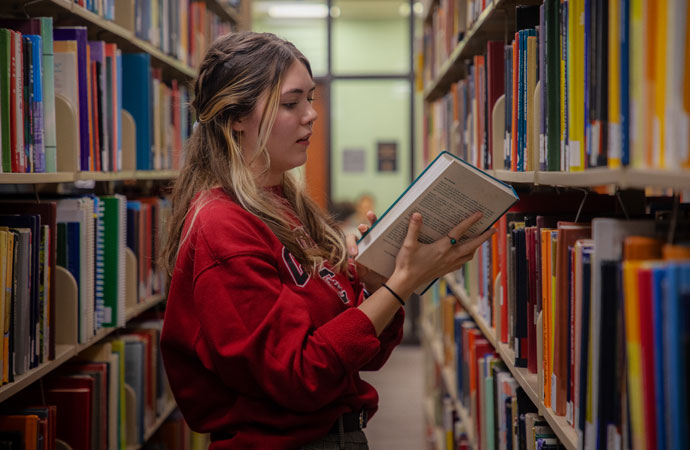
(418, 264)
(372, 280)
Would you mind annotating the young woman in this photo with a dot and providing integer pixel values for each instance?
(268, 322)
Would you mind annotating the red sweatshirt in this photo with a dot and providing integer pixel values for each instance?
(256, 346)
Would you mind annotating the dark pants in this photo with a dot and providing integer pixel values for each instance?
(355, 440)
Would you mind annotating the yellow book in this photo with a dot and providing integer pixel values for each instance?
(563, 100)
(614, 73)
(576, 85)
(3, 282)
(632, 330)
(118, 348)
(638, 129)
(659, 122)
(532, 139)
(685, 123)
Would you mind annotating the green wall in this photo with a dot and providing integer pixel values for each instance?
(371, 46)
(308, 35)
(364, 112)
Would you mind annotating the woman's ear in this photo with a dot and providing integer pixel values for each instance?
(237, 125)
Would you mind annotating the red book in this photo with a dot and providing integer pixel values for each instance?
(111, 52)
(503, 267)
(496, 87)
(516, 77)
(101, 415)
(96, 150)
(482, 347)
(568, 233)
(17, 102)
(646, 299)
(72, 396)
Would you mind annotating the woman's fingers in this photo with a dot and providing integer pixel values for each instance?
(461, 229)
(371, 216)
(469, 247)
(351, 242)
(413, 230)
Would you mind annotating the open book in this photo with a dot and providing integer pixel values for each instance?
(447, 192)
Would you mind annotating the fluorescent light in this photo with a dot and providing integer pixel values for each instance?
(297, 11)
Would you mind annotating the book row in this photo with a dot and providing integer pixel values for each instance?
(106, 398)
(598, 310)
(89, 76)
(174, 434)
(88, 236)
(179, 28)
(497, 411)
(580, 84)
(447, 27)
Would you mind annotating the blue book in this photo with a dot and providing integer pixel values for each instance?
(522, 47)
(673, 309)
(136, 75)
(37, 126)
(658, 282)
(625, 81)
(79, 34)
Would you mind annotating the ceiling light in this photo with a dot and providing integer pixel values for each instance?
(335, 12)
(418, 8)
(297, 11)
(404, 9)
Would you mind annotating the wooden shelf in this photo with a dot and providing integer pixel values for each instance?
(225, 12)
(515, 177)
(169, 408)
(475, 38)
(448, 374)
(590, 177)
(105, 176)
(36, 178)
(642, 178)
(528, 381)
(112, 32)
(99, 336)
(144, 305)
(62, 354)
(155, 174)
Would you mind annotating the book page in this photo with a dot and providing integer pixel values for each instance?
(454, 196)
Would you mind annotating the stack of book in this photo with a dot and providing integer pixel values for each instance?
(584, 84)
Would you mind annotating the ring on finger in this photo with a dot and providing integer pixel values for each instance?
(453, 241)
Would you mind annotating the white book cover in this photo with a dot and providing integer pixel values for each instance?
(608, 236)
(447, 192)
(122, 246)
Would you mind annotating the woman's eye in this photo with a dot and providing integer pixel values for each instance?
(311, 100)
(289, 105)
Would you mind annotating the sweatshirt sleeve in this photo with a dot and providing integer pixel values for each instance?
(257, 335)
(389, 338)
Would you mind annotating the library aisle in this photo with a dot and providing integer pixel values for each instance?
(399, 422)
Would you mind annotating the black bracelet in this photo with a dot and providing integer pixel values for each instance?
(397, 297)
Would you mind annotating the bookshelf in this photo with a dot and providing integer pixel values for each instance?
(67, 303)
(465, 118)
(528, 381)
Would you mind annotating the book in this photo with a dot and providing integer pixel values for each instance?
(448, 191)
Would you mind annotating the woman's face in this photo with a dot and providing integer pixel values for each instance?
(289, 138)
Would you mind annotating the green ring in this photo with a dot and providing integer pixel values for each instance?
(452, 241)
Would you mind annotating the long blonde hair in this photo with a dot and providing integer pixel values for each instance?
(237, 70)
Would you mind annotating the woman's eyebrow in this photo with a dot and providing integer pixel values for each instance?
(298, 91)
